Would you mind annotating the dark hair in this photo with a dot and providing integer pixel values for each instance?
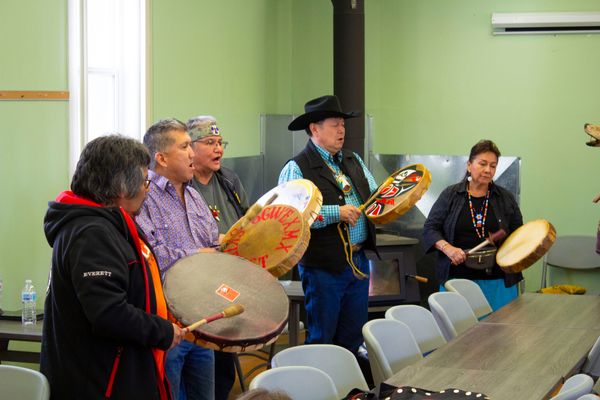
(319, 122)
(109, 167)
(263, 394)
(483, 146)
(157, 139)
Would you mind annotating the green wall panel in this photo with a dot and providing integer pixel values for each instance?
(34, 136)
(229, 59)
(440, 81)
(436, 82)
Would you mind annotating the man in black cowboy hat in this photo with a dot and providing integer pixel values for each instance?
(334, 269)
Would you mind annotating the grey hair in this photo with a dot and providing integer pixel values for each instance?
(200, 121)
(157, 138)
(110, 167)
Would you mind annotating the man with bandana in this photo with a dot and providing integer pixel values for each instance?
(224, 194)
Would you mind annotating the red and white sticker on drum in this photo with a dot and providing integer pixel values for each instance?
(227, 292)
(405, 180)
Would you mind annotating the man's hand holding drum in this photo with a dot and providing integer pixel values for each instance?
(349, 214)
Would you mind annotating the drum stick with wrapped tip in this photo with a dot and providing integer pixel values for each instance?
(230, 311)
(493, 238)
(596, 199)
(418, 278)
(389, 180)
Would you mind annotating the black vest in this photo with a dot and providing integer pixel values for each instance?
(325, 248)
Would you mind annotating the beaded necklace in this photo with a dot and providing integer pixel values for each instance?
(479, 218)
(341, 180)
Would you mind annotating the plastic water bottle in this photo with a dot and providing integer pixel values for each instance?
(28, 299)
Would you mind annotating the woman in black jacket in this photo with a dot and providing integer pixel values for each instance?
(105, 329)
(464, 215)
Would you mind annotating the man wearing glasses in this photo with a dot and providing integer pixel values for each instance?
(224, 194)
(220, 187)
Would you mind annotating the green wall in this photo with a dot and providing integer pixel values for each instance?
(229, 58)
(438, 81)
(34, 160)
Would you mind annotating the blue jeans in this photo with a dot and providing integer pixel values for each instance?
(191, 372)
(337, 305)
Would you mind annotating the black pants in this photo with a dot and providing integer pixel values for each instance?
(224, 374)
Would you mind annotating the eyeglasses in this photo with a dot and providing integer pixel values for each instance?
(147, 182)
(213, 143)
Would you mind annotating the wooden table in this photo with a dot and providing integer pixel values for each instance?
(14, 330)
(556, 310)
(522, 351)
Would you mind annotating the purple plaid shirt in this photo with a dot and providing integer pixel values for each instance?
(172, 230)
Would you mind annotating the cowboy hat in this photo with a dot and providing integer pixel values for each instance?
(319, 109)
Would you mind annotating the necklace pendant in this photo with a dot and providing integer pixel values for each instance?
(215, 212)
(479, 220)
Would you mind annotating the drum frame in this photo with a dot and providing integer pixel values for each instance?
(541, 249)
(313, 205)
(240, 332)
(410, 199)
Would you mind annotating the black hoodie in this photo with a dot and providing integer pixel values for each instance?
(95, 309)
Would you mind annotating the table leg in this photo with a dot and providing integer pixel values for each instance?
(3, 348)
(294, 323)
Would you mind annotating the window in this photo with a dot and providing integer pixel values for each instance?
(107, 70)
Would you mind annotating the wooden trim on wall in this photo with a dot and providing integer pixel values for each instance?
(33, 95)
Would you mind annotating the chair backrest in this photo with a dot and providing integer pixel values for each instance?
(452, 312)
(23, 383)
(299, 382)
(575, 387)
(589, 396)
(337, 362)
(391, 347)
(421, 323)
(571, 252)
(592, 364)
(473, 293)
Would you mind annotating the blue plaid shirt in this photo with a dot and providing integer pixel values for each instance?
(331, 213)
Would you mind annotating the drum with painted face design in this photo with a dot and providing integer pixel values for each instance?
(407, 187)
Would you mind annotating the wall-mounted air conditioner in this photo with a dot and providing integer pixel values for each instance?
(545, 22)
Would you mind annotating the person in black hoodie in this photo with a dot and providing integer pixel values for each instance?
(105, 330)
